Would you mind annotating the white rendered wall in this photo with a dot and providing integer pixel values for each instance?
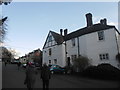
(91, 47)
(58, 52)
(96, 47)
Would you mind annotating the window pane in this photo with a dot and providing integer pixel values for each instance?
(100, 35)
(73, 42)
(107, 56)
(100, 56)
(103, 56)
(49, 61)
(50, 52)
(50, 39)
(55, 61)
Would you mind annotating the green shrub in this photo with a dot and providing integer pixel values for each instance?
(80, 63)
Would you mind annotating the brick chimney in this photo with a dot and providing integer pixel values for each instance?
(65, 32)
(89, 19)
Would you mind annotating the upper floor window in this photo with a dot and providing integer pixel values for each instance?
(104, 56)
(50, 51)
(73, 42)
(50, 38)
(101, 35)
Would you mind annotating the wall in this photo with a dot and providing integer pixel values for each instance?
(91, 47)
(96, 47)
(58, 52)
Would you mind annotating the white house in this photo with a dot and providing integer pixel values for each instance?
(98, 42)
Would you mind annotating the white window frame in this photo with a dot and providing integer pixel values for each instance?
(104, 56)
(101, 35)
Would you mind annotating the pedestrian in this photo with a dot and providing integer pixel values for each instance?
(19, 64)
(30, 76)
(45, 76)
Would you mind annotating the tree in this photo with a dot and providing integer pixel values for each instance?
(2, 22)
(6, 54)
(14, 53)
(2, 29)
(5, 2)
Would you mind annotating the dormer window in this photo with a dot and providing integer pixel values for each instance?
(101, 35)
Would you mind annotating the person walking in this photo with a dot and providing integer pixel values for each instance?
(45, 76)
(30, 76)
(19, 64)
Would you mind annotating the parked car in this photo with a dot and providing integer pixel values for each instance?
(24, 65)
(57, 69)
(15, 62)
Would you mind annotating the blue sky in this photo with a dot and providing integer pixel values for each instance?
(30, 22)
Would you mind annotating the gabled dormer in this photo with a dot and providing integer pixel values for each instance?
(53, 39)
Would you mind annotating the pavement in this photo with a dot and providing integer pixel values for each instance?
(14, 78)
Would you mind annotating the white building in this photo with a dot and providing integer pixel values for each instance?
(98, 42)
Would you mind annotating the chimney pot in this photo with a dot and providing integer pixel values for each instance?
(65, 32)
(103, 21)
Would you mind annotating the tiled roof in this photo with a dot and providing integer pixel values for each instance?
(87, 30)
(58, 38)
(83, 31)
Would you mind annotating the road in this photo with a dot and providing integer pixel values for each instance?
(14, 78)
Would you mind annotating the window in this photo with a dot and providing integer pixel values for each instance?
(104, 56)
(49, 61)
(73, 57)
(50, 52)
(73, 42)
(55, 61)
(101, 35)
(50, 38)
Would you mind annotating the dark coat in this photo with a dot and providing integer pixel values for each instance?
(45, 73)
(30, 77)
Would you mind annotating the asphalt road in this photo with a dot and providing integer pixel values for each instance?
(14, 78)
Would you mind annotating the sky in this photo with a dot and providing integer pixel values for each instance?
(30, 22)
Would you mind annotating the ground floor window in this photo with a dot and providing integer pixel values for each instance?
(55, 61)
(104, 56)
(73, 57)
(49, 61)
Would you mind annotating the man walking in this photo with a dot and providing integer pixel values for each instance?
(19, 64)
(30, 76)
(45, 75)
